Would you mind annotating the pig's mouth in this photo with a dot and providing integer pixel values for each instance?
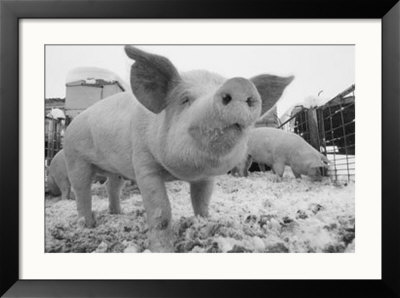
(235, 126)
(218, 140)
(215, 132)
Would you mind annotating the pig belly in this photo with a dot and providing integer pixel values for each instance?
(114, 155)
(119, 166)
(263, 155)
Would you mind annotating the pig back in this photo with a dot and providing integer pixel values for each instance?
(102, 135)
(272, 145)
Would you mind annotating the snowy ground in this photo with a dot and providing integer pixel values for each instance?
(253, 214)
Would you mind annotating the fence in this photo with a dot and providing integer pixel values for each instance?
(331, 130)
(53, 138)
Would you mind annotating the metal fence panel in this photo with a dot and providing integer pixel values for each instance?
(53, 138)
(331, 130)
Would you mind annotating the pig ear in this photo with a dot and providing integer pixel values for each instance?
(317, 164)
(270, 88)
(152, 78)
(323, 162)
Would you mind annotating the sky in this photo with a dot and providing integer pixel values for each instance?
(326, 68)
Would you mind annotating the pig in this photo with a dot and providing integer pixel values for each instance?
(277, 148)
(190, 126)
(57, 179)
(242, 169)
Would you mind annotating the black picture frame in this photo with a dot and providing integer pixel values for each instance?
(12, 11)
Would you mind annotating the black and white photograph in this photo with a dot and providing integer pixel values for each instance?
(199, 148)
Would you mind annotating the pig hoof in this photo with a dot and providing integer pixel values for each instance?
(81, 222)
(87, 223)
(202, 214)
(70, 197)
(277, 179)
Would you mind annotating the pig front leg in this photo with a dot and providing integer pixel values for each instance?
(158, 211)
(296, 174)
(66, 194)
(114, 184)
(65, 188)
(70, 195)
(80, 173)
(278, 168)
(200, 193)
(249, 161)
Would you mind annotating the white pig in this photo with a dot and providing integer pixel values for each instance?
(190, 126)
(242, 169)
(57, 179)
(277, 148)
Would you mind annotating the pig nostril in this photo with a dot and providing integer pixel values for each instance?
(250, 101)
(226, 98)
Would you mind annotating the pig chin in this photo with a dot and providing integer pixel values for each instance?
(217, 141)
(196, 153)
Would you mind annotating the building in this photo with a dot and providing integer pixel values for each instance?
(82, 94)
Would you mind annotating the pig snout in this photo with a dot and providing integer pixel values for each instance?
(221, 122)
(238, 103)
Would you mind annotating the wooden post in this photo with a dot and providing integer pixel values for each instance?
(51, 139)
(58, 135)
(313, 127)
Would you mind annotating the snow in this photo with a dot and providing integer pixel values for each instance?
(311, 102)
(90, 81)
(56, 114)
(247, 214)
(308, 102)
(90, 74)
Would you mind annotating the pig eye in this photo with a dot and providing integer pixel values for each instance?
(185, 100)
